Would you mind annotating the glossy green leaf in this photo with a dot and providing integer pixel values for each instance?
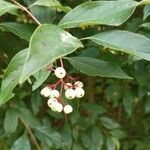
(12, 75)
(124, 41)
(146, 12)
(99, 12)
(24, 31)
(40, 77)
(96, 67)
(6, 7)
(21, 143)
(11, 121)
(52, 4)
(47, 44)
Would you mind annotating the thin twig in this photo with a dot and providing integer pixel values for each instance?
(27, 11)
(31, 134)
(61, 62)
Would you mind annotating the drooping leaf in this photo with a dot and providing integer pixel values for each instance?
(6, 7)
(146, 12)
(96, 67)
(124, 41)
(99, 12)
(52, 4)
(11, 121)
(22, 143)
(12, 75)
(24, 31)
(47, 44)
(40, 76)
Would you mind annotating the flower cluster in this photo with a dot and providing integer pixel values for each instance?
(73, 89)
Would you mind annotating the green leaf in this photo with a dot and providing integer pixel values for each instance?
(96, 67)
(24, 31)
(43, 14)
(99, 12)
(6, 7)
(40, 76)
(127, 102)
(146, 12)
(109, 123)
(11, 121)
(146, 26)
(36, 101)
(93, 108)
(110, 144)
(118, 133)
(48, 136)
(124, 41)
(12, 75)
(86, 141)
(97, 138)
(12, 47)
(47, 44)
(27, 116)
(52, 4)
(21, 143)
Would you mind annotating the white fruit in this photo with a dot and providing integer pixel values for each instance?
(78, 84)
(55, 105)
(60, 72)
(68, 86)
(46, 91)
(59, 107)
(79, 92)
(54, 93)
(68, 109)
(70, 93)
(51, 101)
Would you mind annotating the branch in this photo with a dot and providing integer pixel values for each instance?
(27, 11)
(31, 134)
